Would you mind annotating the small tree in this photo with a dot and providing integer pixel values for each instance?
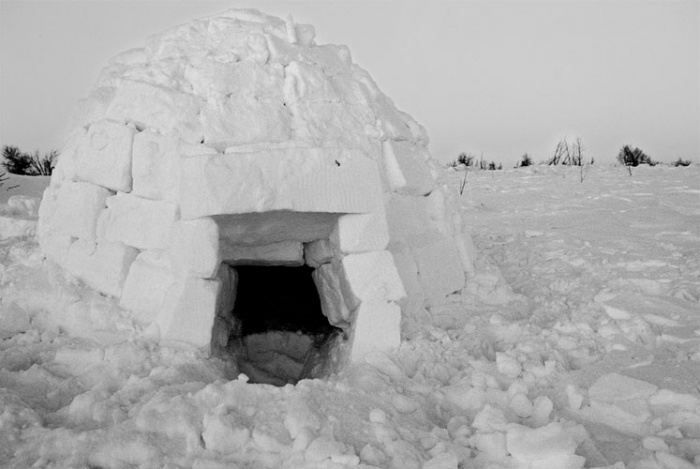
(525, 160)
(681, 162)
(18, 162)
(577, 152)
(629, 156)
(465, 159)
(561, 154)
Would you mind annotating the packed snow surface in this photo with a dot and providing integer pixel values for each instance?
(576, 343)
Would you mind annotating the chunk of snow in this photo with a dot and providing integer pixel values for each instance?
(193, 248)
(105, 158)
(333, 304)
(223, 434)
(104, 266)
(77, 207)
(361, 232)
(139, 222)
(297, 179)
(187, 314)
(442, 461)
(614, 387)
(371, 276)
(282, 253)
(146, 285)
(377, 326)
(164, 110)
(406, 169)
(156, 164)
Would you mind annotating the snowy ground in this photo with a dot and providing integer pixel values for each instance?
(576, 345)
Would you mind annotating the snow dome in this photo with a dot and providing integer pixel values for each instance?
(235, 186)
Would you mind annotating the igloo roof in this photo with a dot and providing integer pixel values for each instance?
(243, 77)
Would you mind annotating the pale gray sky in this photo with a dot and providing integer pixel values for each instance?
(494, 77)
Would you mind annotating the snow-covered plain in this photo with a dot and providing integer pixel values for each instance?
(575, 344)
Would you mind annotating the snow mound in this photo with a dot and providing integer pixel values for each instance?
(237, 140)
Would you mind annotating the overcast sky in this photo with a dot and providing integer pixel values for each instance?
(498, 78)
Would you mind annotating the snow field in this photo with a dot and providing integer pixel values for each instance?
(585, 354)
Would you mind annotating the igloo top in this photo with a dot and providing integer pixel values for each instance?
(237, 139)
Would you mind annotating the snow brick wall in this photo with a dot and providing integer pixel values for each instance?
(237, 140)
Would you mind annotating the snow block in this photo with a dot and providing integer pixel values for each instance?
(193, 248)
(371, 276)
(342, 125)
(146, 284)
(439, 265)
(377, 328)
(306, 82)
(213, 78)
(333, 304)
(187, 315)
(318, 252)
(548, 447)
(407, 216)
(289, 253)
(406, 168)
(296, 179)
(56, 246)
(78, 206)
(361, 232)
(103, 266)
(239, 120)
(138, 222)
(413, 304)
(162, 109)
(613, 387)
(73, 147)
(224, 322)
(261, 228)
(156, 162)
(105, 159)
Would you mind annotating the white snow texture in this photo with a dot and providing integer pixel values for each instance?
(242, 113)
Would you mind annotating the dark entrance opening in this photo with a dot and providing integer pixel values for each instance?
(282, 335)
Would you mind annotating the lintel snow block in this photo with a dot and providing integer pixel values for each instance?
(138, 222)
(371, 276)
(289, 253)
(295, 179)
(377, 328)
(78, 206)
(187, 314)
(105, 159)
(103, 266)
(194, 249)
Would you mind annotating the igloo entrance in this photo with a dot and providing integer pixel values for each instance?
(277, 332)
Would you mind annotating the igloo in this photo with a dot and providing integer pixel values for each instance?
(239, 188)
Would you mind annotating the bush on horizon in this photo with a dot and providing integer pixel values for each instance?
(681, 162)
(629, 156)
